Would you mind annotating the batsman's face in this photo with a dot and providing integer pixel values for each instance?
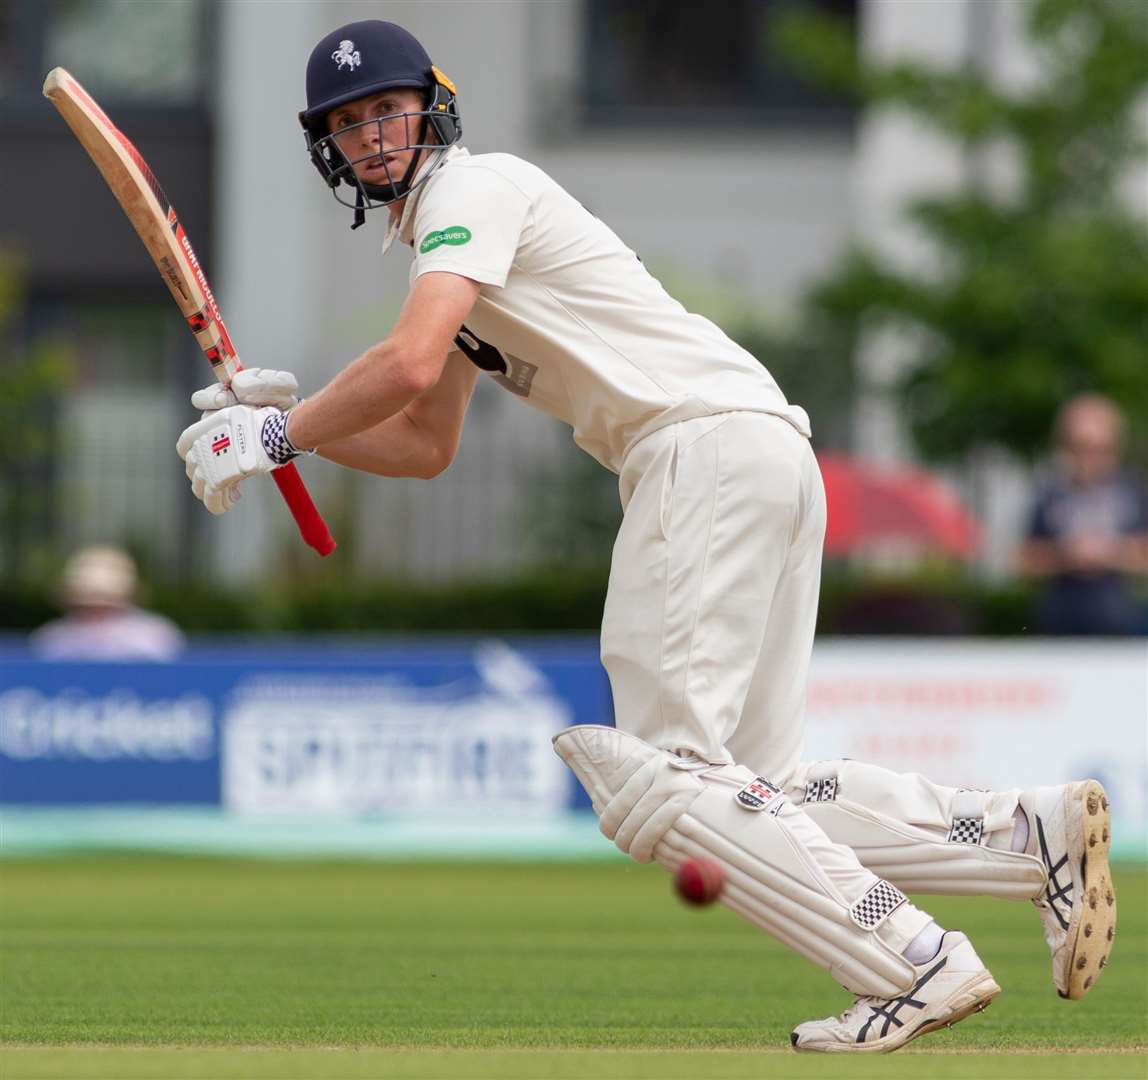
(374, 133)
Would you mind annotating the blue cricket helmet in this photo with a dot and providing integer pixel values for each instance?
(364, 58)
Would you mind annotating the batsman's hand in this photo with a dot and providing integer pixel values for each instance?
(252, 386)
(228, 445)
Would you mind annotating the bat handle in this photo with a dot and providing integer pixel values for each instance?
(312, 527)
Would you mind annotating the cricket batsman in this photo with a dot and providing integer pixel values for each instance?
(709, 618)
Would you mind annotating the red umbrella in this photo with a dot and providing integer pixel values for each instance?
(869, 502)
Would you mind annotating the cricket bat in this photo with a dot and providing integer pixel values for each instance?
(148, 209)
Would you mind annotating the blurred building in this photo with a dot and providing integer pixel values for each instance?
(86, 278)
(682, 133)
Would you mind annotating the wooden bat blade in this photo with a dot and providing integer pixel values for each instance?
(154, 219)
(147, 207)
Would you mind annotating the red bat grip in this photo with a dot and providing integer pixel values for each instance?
(312, 527)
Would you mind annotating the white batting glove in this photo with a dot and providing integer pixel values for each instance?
(230, 444)
(252, 386)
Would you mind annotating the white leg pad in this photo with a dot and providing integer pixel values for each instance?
(921, 836)
(655, 805)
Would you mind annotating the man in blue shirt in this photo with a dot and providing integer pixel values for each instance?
(1088, 533)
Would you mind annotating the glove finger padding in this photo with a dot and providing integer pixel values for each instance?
(213, 398)
(251, 386)
(265, 386)
(219, 501)
(221, 449)
(197, 481)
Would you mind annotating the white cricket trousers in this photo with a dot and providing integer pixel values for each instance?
(710, 612)
(708, 630)
(709, 617)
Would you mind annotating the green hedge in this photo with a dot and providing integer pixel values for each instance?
(554, 600)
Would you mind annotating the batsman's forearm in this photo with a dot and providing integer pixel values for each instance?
(396, 448)
(366, 392)
(421, 439)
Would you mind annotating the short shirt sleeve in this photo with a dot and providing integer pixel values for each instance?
(470, 222)
(1138, 497)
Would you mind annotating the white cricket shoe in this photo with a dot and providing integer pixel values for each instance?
(1069, 830)
(948, 988)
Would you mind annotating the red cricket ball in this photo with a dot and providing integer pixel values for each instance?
(699, 881)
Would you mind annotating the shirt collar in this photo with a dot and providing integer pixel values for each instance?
(404, 228)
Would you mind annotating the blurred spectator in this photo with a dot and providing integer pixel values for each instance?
(102, 623)
(1088, 534)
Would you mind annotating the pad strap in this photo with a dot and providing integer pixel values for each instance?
(877, 905)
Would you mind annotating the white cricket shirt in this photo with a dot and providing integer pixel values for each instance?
(583, 331)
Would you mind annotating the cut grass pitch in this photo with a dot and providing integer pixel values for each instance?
(371, 1064)
(135, 966)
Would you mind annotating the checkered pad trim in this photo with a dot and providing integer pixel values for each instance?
(821, 790)
(274, 438)
(877, 905)
(967, 830)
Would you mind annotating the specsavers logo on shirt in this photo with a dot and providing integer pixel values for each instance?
(454, 235)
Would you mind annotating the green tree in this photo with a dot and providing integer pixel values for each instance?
(30, 378)
(1042, 291)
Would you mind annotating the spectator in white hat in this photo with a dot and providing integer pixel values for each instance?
(102, 622)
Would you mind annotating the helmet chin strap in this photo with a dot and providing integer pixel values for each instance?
(393, 191)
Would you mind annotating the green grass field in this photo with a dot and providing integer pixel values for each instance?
(133, 967)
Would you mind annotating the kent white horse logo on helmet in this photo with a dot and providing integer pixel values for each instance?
(347, 54)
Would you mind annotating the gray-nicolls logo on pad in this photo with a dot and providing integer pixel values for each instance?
(347, 54)
(760, 794)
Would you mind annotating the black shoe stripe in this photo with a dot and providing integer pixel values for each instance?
(1055, 890)
(888, 1011)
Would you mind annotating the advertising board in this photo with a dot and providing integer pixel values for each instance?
(462, 729)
